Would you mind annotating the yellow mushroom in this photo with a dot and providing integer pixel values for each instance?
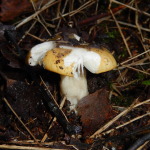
(69, 62)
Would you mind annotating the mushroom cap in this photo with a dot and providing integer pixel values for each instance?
(38, 51)
(54, 61)
(96, 60)
(70, 61)
(108, 62)
(99, 60)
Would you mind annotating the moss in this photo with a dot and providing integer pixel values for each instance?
(146, 82)
(113, 34)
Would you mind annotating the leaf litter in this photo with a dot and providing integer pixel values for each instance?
(116, 112)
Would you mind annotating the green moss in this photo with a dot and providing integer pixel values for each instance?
(123, 53)
(146, 82)
(142, 79)
(113, 34)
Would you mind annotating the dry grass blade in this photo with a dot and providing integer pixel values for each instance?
(33, 24)
(54, 119)
(20, 120)
(61, 14)
(131, 25)
(32, 142)
(135, 57)
(117, 117)
(139, 29)
(142, 147)
(138, 70)
(126, 123)
(132, 8)
(121, 33)
(84, 6)
(4, 146)
(39, 20)
(49, 4)
(35, 37)
(49, 92)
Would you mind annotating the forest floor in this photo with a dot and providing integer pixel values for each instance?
(115, 115)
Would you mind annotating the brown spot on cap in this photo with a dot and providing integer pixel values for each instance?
(61, 67)
(57, 61)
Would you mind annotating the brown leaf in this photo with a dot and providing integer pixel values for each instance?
(11, 9)
(94, 110)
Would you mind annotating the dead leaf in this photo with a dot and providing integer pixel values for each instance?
(14, 8)
(94, 110)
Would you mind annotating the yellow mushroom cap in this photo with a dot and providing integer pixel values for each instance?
(103, 60)
(70, 61)
(54, 61)
(108, 62)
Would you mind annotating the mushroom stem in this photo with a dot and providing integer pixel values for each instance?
(74, 88)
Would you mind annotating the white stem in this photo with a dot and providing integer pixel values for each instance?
(74, 89)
